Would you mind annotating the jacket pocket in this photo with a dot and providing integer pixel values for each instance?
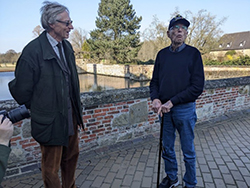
(41, 126)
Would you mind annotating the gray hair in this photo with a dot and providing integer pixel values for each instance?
(49, 13)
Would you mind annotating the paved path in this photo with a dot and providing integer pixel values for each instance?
(223, 160)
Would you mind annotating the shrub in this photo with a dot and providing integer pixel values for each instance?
(242, 60)
(149, 62)
(231, 53)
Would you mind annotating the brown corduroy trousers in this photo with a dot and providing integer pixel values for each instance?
(54, 157)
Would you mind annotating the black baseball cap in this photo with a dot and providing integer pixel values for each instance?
(178, 19)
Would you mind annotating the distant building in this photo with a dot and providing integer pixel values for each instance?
(238, 42)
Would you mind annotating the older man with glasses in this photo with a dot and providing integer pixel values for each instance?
(46, 81)
(177, 81)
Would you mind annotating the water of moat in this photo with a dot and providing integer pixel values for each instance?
(88, 83)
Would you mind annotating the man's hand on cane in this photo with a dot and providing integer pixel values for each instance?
(160, 108)
(165, 108)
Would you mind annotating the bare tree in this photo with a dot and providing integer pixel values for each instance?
(155, 38)
(9, 57)
(204, 32)
(77, 38)
(37, 31)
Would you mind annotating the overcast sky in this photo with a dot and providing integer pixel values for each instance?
(18, 18)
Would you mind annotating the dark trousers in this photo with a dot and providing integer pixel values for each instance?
(54, 157)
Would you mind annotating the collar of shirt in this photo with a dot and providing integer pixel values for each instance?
(53, 43)
(177, 49)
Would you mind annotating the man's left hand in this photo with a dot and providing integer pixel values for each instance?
(165, 108)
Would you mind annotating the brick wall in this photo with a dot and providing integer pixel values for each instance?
(118, 115)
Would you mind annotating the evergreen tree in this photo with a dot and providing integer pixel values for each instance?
(115, 38)
(86, 50)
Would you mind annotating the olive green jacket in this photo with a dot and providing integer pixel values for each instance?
(40, 84)
(4, 155)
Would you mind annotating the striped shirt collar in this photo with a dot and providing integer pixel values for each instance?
(52, 41)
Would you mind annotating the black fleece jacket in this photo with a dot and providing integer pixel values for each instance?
(177, 76)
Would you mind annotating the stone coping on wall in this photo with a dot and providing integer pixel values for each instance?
(222, 83)
(90, 99)
(226, 68)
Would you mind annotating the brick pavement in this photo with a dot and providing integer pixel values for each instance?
(223, 160)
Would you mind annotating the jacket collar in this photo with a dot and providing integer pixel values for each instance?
(47, 50)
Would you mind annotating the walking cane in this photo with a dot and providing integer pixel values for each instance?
(160, 150)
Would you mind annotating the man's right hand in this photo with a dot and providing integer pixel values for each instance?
(156, 106)
(6, 131)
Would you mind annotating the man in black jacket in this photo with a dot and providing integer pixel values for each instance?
(46, 81)
(178, 80)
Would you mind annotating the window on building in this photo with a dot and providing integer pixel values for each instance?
(242, 43)
(229, 44)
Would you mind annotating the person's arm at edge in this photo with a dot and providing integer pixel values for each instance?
(6, 132)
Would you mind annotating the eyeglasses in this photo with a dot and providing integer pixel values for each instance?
(177, 27)
(67, 23)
